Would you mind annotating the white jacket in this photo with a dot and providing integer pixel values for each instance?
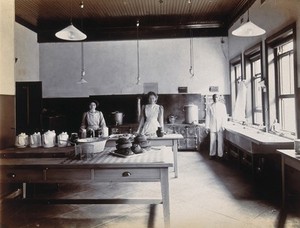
(216, 117)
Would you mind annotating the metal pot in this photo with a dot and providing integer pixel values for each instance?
(191, 114)
(118, 117)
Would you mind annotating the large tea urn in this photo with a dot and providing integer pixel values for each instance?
(191, 114)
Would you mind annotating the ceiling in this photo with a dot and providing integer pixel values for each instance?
(117, 19)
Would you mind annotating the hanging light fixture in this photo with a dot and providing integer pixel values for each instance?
(248, 29)
(82, 80)
(71, 33)
(191, 69)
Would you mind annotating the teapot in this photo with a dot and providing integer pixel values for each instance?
(62, 139)
(21, 140)
(48, 139)
(35, 140)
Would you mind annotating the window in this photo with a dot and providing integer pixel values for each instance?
(236, 75)
(284, 54)
(282, 81)
(256, 78)
(237, 72)
(253, 70)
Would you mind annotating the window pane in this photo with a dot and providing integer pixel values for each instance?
(258, 118)
(286, 74)
(287, 114)
(257, 92)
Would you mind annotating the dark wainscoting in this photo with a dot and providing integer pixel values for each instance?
(7, 121)
(63, 114)
(69, 110)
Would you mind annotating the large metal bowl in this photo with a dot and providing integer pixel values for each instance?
(99, 143)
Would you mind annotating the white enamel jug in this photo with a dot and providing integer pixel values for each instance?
(48, 139)
(35, 140)
(21, 140)
(62, 139)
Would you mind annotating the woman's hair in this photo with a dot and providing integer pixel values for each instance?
(94, 101)
(151, 93)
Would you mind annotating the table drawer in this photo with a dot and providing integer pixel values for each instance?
(68, 174)
(21, 175)
(126, 174)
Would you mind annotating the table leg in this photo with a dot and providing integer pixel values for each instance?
(24, 190)
(175, 153)
(165, 195)
(282, 181)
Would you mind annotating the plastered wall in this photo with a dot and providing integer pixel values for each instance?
(7, 17)
(26, 54)
(111, 67)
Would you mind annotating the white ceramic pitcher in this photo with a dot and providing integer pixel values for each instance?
(62, 139)
(35, 140)
(21, 140)
(49, 139)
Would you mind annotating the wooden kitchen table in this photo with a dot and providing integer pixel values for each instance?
(167, 140)
(150, 166)
(289, 158)
(39, 152)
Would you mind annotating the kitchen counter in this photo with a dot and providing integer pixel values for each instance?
(257, 136)
(251, 146)
(288, 158)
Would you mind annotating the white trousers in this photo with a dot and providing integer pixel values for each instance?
(216, 141)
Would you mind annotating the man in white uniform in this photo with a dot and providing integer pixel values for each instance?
(215, 122)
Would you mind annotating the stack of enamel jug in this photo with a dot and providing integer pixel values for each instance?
(47, 140)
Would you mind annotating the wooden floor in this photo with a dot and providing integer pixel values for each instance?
(208, 193)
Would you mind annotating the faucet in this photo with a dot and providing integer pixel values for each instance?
(275, 126)
(261, 126)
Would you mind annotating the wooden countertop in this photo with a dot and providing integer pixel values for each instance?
(38, 152)
(165, 137)
(290, 153)
(150, 158)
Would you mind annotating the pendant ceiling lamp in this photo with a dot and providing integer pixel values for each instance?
(71, 33)
(82, 80)
(248, 29)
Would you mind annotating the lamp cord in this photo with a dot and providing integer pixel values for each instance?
(138, 52)
(191, 70)
(82, 49)
(82, 60)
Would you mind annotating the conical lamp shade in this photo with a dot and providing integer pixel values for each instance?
(70, 33)
(248, 29)
(82, 81)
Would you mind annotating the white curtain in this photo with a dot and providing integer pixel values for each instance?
(239, 112)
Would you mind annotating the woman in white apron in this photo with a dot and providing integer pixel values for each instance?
(152, 116)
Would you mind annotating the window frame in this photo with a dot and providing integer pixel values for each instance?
(271, 43)
(251, 55)
(233, 63)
